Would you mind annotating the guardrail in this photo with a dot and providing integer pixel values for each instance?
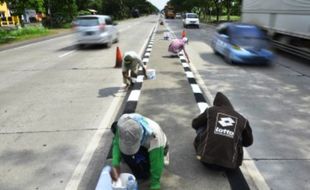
(9, 21)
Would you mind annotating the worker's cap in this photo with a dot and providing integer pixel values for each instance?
(130, 135)
(185, 39)
(128, 60)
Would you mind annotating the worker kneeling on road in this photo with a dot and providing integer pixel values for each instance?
(142, 145)
(130, 66)
(177, 45)
(221, 134)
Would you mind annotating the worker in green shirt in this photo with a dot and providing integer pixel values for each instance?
(142, 145)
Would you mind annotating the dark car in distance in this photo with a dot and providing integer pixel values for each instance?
(242, 43)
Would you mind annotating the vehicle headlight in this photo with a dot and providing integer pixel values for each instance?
(236, 47)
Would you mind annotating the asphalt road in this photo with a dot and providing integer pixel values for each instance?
(54, 99)
(57, 103)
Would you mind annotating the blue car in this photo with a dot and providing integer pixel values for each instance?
(242, 43)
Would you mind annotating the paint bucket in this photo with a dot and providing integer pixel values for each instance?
(151, 74)
(121, 183)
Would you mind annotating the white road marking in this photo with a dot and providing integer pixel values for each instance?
(202, 106)
(189, 74)
(254, 173)
(196, 88)
(65, 54)
(140, 78)
(185, 64)
(182, 57)
(93, 144)
(134, 95)
(145, 60)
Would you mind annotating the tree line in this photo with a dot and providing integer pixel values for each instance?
(63, 11)
(207, 7)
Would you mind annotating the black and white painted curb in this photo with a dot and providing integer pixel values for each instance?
(199, 97)
(198, 94)
(134, 95)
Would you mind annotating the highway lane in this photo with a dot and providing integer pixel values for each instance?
(53, 99)
(274, 98)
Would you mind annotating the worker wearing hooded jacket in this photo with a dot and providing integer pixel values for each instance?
(142, 144)
(221, 134)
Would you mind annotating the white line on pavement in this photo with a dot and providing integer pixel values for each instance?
(196, 88)
(189, 74)
(65, 54)
(134, 95)
(145, 60)
(92, 146)
(202, 106)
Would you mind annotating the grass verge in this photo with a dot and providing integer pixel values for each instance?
(10, 35)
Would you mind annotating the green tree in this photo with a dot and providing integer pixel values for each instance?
(18, 6)
(60, 11)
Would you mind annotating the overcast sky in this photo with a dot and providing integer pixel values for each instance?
(160, 4)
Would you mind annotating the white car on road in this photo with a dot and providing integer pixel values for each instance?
(95, 29)
(190, 19)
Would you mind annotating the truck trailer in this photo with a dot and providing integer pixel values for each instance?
(286, 21)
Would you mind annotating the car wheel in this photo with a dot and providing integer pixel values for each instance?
(197, 26)
(80, 46)
(117, 38)
(109, 44)
(215, 52)
(227, 59)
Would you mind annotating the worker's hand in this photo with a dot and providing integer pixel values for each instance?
(115, 172)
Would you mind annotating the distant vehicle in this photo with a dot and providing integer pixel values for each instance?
(242, 43)
(287, 22)
(29, 16)
(95, 29)
(135, 13)
(169, 11)
(178, 15)
(190, 19)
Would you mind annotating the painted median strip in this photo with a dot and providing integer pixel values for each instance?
(134, 95)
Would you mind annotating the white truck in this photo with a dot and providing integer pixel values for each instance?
(287, 22)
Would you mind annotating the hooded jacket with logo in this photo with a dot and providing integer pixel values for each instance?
(223, 133)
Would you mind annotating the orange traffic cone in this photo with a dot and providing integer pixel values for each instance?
(183, 34)
(119, 59)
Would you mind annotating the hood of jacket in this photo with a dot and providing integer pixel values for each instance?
(222, 101)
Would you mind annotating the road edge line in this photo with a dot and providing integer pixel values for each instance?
(80, 170)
